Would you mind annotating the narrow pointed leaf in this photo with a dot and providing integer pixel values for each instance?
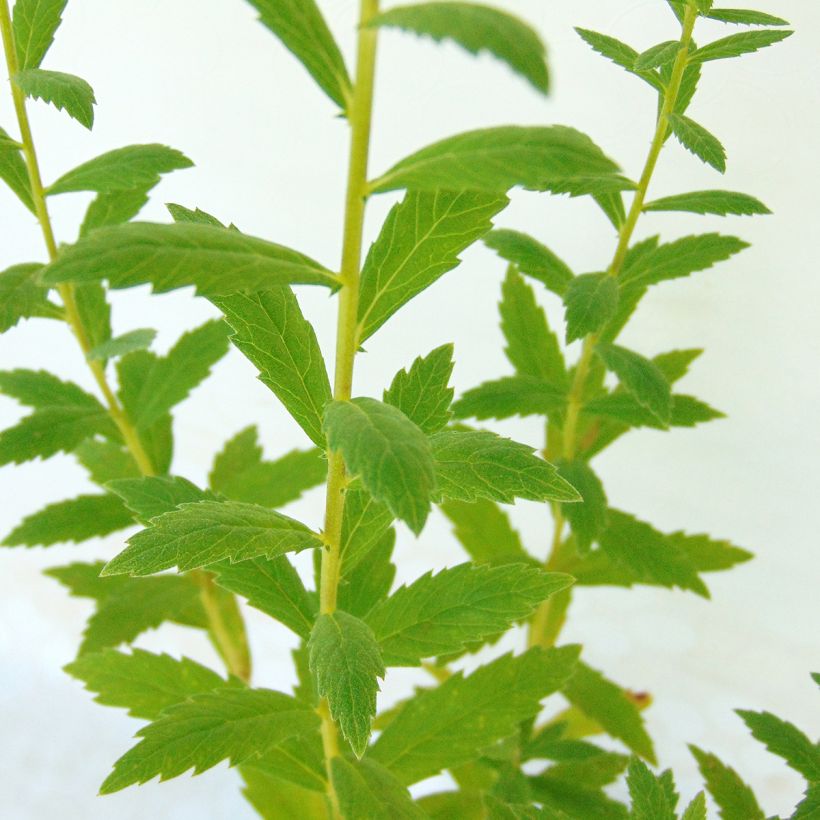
(13, 170)
(35, 24)
(650, 800)
(116, 207)
(531, 258)
(63, 91)
(368, 582)
(122, 345)
(485, 532)
(641, 378)
(619, 53)
(364, 524)
(746, 42)
(276, 798)
(366, 789)
(21, 297)
(588, 518)
(721, 203)
(151, 496)
(658, 55)
(785, 740)
(744, 17)
(735, 800)
(511, 396)
(591, 301)
(476, 28)
(697, 140)
(696, 810)
(106, 460)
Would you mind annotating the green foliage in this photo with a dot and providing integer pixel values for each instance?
(651, 799)
(391, 455)
(721, 203)
(531, 258)
(347, 661)
(476, 28)
(35, 24)
(122, 345)
(510, 396)
(13, 170)
(743, 17)
(366, 789)
(696, 139)
(734, 798)
(485, 532)
(22, 298)
(589, 518)
(641, 378)
(591, 301)
(116, 207)
(747, 42)
(63, 91)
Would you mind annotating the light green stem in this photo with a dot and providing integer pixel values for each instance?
(540, 634)
(360, 117)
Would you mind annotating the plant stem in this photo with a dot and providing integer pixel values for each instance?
(361, 115)
(539, 631)
(237, 665)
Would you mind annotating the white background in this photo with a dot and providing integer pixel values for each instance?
(203, 76)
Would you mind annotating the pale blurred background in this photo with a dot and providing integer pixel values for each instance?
(205, 77)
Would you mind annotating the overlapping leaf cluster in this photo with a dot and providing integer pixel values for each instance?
(310, 753)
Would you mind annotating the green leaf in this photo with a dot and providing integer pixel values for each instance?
(485, 532)
(272, 586)
(122, 345)
(607, 704)
(450, 725)
(95, 312)
(445, 613)
(620, 406)
(423, 393)
(809, 807)
(641, 378)
(116, 207)
(708, 554)
(366, 789)
(275, 798)
(420, 241)
(785, 740)
(368, 582)
(298, 761)
(497, 159)
(182, 214)
(392, 455)
(721, 203)
(735, 800)
(658, 55)
(364, 524)
(743, 17)
(35, 24)
(233, 724)
(300, 26)
(591, 301)
(121, 169)
(106, 460)
(241, 474)
(347, 661)
(563, 799)
(746, 42)
(696, 810)
(198, 534)
(63, 91)
(619, 53)
(152, 385)
(681, 258)
(271, 331)
(76, 520)
(217, 261)
(479, 464)
(697, 140)
(650, 800)
(648, 554)
(589, 518)
(141, 682)
(13, 170)
(21, 297)
(532, 347)
(41, 389)
(476, 28)
(151, 496)
(510, 396)
(531, 258)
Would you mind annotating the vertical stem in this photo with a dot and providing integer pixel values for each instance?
(236, 664)
(539, 632)
(361, 114)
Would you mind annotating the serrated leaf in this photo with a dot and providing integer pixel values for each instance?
(531, 258)
(94, 311)
(607, 704)
(744, 17)
(735, 45)
(366, 789)
(735, 800)
(35, 24)
(13, 170)
(217, 261)
(106, 460)
(276, 798)
(299, 761)
(563, 800)
(510, 396)
(687, 411)
(41, 390)
(657, 55)
(233, 724)
(240, 473)
(697, 140)
(75, 520)
(63, 91)
(116, 207)
(21, 297)
(364, 524)
(680, 258)
(447, 726)
(641, 378)
(347, 662)
(198, 534)
(721, 203)
(591, 301)
(121, 169)
(271, 331)
(588, 518)
(391, 455)
(709, 554)
(497, 159)
(785, 740)
(151, 496)
(445, 613)
(151, 385)
(368, 582)
(141, 682)
(122, 345)
(479, 464)
(532, 347)
(808, 808)
(420, 241)
(299, 24)
(485, 532)
(476, 28)
(272, 586)
(696, 810)
(422, 392)
(650, 800)
(619, 53)
(180, 213)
